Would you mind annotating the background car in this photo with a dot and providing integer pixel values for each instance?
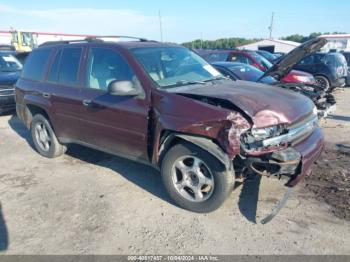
(240, 71)
(329, 69)
(254, 59)
(10, 69)
(347, 58)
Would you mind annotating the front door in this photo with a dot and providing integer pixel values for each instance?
(116, 124)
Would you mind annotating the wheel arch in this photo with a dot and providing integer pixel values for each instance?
(323, 75)
(31, 110)
(171, 138)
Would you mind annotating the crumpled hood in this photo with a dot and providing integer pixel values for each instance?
(287, 62)
(265, 105)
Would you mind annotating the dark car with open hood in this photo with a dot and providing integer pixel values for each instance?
(163, 105)
(10, 69)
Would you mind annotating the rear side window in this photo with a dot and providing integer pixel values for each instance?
(35, 65)
(53, 74)
(69, 66)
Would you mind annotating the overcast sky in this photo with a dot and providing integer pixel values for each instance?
(182, 20)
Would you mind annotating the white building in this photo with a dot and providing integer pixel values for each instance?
(338, 42)
(271, 45)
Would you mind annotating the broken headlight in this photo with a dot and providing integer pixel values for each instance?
(264, 133)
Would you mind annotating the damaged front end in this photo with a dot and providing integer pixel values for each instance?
(269, 151)
(324, 101)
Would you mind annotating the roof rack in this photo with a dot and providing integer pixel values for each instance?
(118, 36)
(92, 39)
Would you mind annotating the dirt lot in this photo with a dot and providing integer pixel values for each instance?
(88, 202)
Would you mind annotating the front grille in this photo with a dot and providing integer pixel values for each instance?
(7, 90)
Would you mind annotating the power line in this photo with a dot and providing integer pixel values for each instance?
(160, 26)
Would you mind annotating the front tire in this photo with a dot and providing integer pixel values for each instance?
(195, 179)
(44, 138)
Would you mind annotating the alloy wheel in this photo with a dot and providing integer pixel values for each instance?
(42, 136)
(192, 178)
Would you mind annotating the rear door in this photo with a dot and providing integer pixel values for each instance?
(118, 124)
(63, 80)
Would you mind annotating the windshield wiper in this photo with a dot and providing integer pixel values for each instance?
(216, 78)
(185, 83)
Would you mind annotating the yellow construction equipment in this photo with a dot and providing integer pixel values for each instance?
(23, 41)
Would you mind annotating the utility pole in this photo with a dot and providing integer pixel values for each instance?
(271, 25)
(160, 26)
(201, 40)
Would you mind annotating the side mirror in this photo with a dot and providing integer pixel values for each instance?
(122, 88)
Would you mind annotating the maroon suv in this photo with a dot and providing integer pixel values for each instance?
(163, 105)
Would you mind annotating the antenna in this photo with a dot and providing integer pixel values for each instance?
(160, 26)
(271, 25)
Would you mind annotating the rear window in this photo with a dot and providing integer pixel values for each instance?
(69, 66)
(35, 65)
(334, 60)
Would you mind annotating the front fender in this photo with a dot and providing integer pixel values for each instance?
(202, 142)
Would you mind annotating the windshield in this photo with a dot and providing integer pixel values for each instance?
(8, 63)
(175, 66)
(267, 55)
(261, 60)
(250, 73)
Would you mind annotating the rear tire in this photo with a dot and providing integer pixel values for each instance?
(322, 82)
(44, 138)
(195, 179)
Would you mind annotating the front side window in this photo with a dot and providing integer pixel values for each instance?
(309, 60)
(174, 66)
(36, 63)
(69, 66)
(105, 66)
(239, 58)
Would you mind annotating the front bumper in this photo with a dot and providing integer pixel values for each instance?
(294, 162)
(348, 79)
(7, 100)
(310, 150)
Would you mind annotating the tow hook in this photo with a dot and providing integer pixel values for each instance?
(278, 207)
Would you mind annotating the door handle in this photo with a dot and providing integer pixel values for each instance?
(46, 95)
(87, 103)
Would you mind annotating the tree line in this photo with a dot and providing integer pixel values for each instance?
(233, 42)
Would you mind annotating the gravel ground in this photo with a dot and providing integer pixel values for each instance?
(88, 202)
(332, 182)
